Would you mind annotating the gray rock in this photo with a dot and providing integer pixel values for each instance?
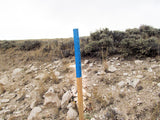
(93, 119)
(118, 64)
(65, 99)
(40, 76)
(16, 71)
(101, 73)
(125, 74)
(121, 84)
(86, 62)
(51, 97)
(139, 76)
(138, 62)
(57, 73)
(133, 82)
(150, 70)
(34, 113)
(112, 68)
(4, 79)
(71, 114)
(74, 90)
(155, 66)
(4, 100)
(158, 84)
(72, 104)
(91, 65)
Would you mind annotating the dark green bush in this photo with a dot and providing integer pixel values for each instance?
(30, 45)
(140, 47)
(7, 45)
(141, 42)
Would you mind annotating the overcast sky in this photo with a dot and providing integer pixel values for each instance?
(33, 19)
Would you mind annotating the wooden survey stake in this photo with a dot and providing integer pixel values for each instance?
(78, 72)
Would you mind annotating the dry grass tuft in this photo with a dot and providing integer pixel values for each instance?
(50, 78)
(103, 101)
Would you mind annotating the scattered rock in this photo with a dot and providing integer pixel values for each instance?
(72, 104)
(125, 74)
(4, 100)
(93, 119)
(112, 68)
(57, 73)
(150, 70)
(4, 79)
(133, 82)
(21, 96)
(40, 76)
(118, 64)
(16, 71)
(32, 69)
(65, 99)
(158, 84)
(155, 66)
(51, 97)
(101, 73)
(139, 76)
(121, 83)
(33, 104)
(85, 93)
(72, 66)
(138, 62)
(34, 113)
(91, 65)
(71, 114)
(74, 90)
(86, 62)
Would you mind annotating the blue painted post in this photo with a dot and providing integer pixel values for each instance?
(78, 72)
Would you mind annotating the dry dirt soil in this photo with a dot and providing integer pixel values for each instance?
(115, 89)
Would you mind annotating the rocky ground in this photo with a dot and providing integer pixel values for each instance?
(115, 89)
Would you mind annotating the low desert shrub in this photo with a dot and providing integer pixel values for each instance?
(29, 45)
(7, 45)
